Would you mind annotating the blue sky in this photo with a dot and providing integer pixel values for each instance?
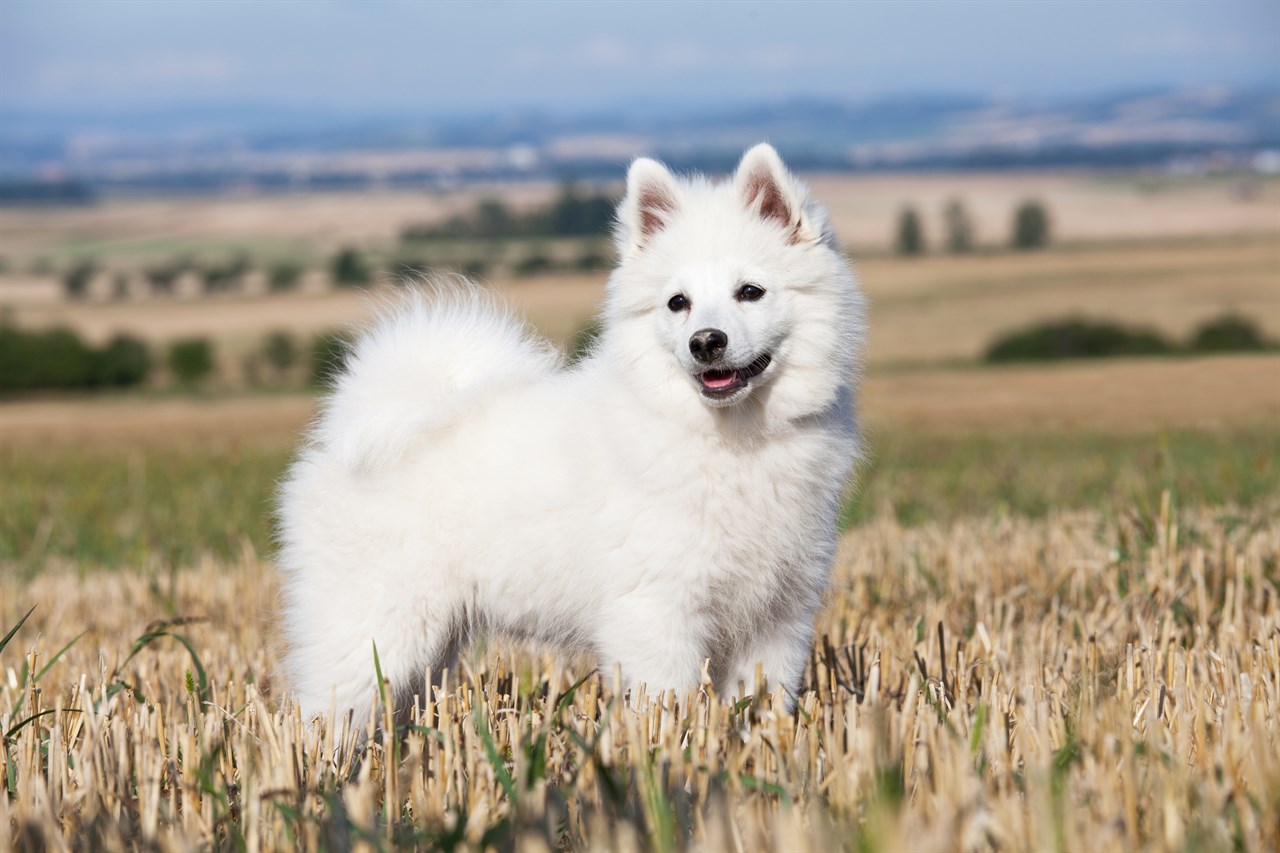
(371, 57)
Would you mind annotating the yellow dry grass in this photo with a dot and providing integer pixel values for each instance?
(1077, 683)
(1127, 395)
(1084, 206)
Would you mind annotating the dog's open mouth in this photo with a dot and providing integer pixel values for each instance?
(718, 384)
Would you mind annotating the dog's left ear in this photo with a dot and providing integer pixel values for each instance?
(767, 189)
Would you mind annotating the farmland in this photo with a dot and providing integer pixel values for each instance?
(1054, 618)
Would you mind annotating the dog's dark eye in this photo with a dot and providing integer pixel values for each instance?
(749, 293)
(678, 303)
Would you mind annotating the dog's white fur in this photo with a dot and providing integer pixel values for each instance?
(460, 481)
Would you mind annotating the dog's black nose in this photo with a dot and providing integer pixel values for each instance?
(708, 344)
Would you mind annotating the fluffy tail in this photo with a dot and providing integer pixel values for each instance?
(427, 359)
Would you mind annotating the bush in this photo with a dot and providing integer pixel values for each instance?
(593, 259)
(284, 276)
(76, 282)
(329, 354)
(569, 215)
(959, 227)
(1030, 226)
(279, 351)
(1229, 333)
(191, 360)
(910, 233)
(349, 268)
(585, 340)
(49, 360)
(225, 278)
(124, 361)
(474, 268)
(164, 278)
(534, 263)
(412, 269)
(1076, 338)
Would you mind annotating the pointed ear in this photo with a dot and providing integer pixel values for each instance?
(652, 197)
(767, 189)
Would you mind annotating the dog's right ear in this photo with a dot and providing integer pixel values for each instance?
(652, 197)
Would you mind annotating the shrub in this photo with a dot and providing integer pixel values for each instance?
(76, 281)
(910, 233)
(164, 278)
(959, 227)
(1030, 226)
(534, 263)
(1076, 338)
(349, 268)
(279, 351)
(1229, 333)
(225, 278)
(124, 361)
(412, 270)
(284, 276)
(55, 359)
(474, 268)
(191, 360)
(585, 339)
(329, 354)
(592, 259)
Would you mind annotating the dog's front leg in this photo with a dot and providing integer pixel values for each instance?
(656, 644)
(781, 655)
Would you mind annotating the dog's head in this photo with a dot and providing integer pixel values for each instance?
(732, 292)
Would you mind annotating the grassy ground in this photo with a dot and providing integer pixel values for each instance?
(173, 505)
(1034, 639)
(1053, 624)
(1084, 681)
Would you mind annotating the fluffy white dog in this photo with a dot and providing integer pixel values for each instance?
(670, 500)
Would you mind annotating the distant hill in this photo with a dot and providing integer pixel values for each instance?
(272, 148)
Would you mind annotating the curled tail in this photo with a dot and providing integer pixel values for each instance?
(427, 359)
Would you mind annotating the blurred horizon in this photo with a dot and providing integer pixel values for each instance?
(358, 60)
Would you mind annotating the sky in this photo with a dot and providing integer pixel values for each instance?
(376, 57)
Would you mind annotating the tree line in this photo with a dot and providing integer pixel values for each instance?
(1029, 229)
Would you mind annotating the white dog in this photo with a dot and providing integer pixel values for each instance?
(669, 501)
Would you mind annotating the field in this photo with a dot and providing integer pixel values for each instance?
(1054, 619)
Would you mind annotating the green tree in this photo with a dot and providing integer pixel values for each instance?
(349, 268)
(493, 220)
(280, 352)
(910, 233)
(959, 227)
(191, 360)
(1229, 333)
(76, 281)
(283, 276)
(1030, 226)
(52, 359)
(124, 361)
(329, 354)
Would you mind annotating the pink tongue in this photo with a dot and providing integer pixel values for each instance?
(718, 378)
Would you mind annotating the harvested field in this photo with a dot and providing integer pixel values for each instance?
(1054, 620)
(1084, 682)
(1084, 206)
(922, 311)
(1132, 395)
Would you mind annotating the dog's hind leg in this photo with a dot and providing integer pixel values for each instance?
(332, 663)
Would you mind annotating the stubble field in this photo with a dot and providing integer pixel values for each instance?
(1053, 624)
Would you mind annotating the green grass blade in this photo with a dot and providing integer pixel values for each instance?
(14, 629)
(62, 651)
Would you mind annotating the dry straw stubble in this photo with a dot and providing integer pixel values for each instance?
(1079, 682)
